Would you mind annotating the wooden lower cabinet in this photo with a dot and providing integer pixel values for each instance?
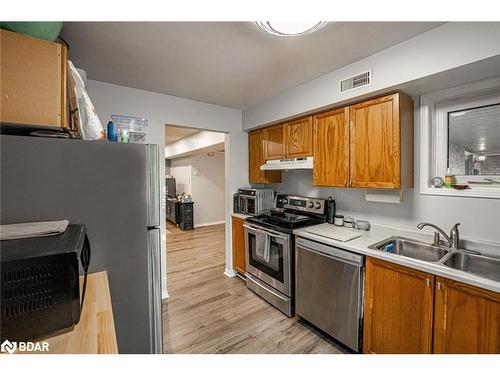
(398, 309)
(466, 319)
(239, 262)
(408, 311)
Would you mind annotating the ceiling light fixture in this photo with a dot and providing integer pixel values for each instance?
(290, 28)
(481, 157)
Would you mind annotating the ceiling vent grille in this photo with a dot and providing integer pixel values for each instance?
(356, 81)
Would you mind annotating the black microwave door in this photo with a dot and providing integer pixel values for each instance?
(251, 209)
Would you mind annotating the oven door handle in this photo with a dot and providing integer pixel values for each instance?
(272, 233)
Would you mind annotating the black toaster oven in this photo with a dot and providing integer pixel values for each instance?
(39, 284)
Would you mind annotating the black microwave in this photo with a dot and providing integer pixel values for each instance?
(40, 284)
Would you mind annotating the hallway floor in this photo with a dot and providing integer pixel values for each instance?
(208, 312)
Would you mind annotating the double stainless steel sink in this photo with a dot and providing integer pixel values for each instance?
(458, 259)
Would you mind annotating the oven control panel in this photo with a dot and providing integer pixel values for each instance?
(306, 204)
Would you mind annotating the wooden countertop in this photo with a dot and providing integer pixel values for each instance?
(95, 332)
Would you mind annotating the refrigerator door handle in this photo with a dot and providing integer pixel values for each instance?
(153, 186)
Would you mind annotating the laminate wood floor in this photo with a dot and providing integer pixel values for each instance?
(208, 312)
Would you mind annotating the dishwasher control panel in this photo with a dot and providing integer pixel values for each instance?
(330, 251)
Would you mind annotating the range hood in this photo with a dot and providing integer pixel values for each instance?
(286, 164)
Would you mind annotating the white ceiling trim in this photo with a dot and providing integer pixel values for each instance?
(195, 143)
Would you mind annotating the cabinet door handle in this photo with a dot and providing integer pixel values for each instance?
(428, 282)
(439, 285)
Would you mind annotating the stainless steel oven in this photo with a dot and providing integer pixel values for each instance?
(270, 275)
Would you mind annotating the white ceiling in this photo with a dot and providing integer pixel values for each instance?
(234, 64)
(215, 149)
(174, 133)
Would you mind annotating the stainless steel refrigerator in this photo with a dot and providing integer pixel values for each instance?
(114, 190)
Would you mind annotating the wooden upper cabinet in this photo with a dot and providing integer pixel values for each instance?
(274, 142)
(256, 156)
(256, 144)
(331, 148)
(239, 259)
(365, 145)
(299, 138)
(398, 309)
(33, 81)
(466, 319)
(381, 142)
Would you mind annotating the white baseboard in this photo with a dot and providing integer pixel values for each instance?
(164, 294)
(230, 273)
(210, 223)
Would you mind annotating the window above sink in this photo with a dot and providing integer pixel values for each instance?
(460, 136)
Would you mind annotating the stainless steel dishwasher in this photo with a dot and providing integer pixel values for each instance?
(329, 290)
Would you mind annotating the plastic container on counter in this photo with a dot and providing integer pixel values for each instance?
(133, 128)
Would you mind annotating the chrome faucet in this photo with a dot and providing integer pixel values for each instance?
(453, 239)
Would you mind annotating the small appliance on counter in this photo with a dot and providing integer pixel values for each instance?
(253, 201)
(269, 247)
(330, 210)
(40, 290)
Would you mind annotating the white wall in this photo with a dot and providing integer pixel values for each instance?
(479, 217)
(162, 109)
(181, 170)
(206, 188)
(450, 54)
(447, 47)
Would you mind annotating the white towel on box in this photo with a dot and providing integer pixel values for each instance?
(37, 229)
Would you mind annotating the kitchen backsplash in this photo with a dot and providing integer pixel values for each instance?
(479, 217)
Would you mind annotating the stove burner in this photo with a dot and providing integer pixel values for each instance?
(291, 212)
(284, 222)
(288, 217)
